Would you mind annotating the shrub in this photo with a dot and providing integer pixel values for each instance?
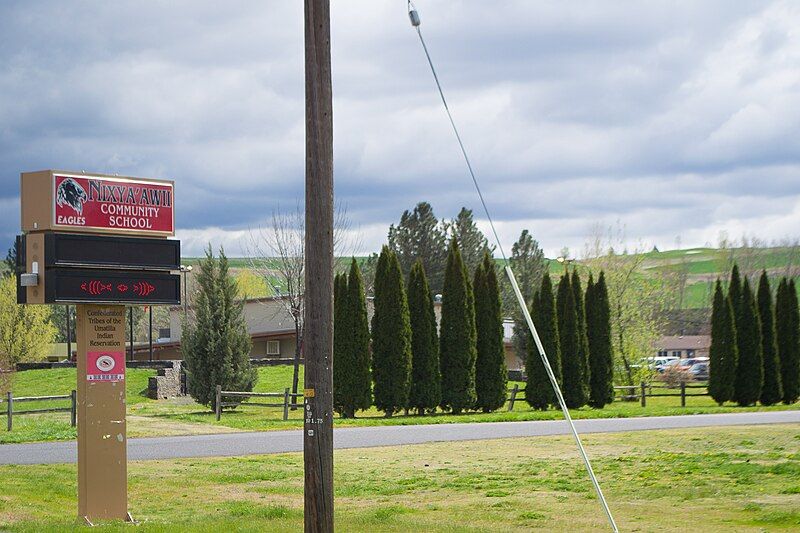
(216, 344)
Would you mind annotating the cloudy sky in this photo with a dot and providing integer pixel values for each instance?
(674, 120)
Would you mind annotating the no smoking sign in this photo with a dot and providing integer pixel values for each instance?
(105, 366)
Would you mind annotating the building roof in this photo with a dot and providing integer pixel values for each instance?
(684, 342)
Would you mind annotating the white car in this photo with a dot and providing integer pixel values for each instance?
(661, 362)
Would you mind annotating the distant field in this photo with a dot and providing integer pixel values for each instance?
(702, 265)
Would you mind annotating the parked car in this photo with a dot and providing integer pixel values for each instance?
(688, 363)
(655, 363)
(676, 362)
(699, 371)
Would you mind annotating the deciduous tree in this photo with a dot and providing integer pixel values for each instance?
(25, 330)
(277, 252)
(637, 301)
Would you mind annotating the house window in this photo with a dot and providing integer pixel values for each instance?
(273, 348)
(676, 353)
(689, 353)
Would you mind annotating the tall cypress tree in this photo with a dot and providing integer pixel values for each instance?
(342, 362)
(391, 337)
(735, 296)
(538, 391)
(771, 391)
(457, 336)
(791, 383)
(426, 387)
(787, 332)
(723, 353)
(571, 363)
(601, 357)
(749, 367)
(491, 374)
(351, 363)
(216, 343)
(583, 339)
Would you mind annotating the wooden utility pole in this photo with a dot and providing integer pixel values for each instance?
(318, 336)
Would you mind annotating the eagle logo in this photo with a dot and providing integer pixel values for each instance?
(72, 194)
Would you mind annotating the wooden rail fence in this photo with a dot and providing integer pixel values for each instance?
(10, 400)
(286, 395)
(645, 390)
(513, 397)
(634, 392)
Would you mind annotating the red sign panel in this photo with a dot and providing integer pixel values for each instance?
(113, 204)
(105, 366)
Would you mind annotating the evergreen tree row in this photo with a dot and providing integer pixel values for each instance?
(412, 366)
(575, 332)
(351, 357)
(755, 343)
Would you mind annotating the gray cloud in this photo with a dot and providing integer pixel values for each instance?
(673, 118)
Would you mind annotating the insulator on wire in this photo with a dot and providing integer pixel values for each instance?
(414, 17)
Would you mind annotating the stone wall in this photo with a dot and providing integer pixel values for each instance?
(167, 384)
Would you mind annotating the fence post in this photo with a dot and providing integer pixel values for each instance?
(10, 408)
(286, 403)
(683, 394)
(513, 397)
(644, 395)
(219, 402)
(73, 409)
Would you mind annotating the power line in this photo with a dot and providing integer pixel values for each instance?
(413, 16)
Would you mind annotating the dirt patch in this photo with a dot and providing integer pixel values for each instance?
(148, 426)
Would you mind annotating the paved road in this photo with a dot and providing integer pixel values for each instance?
(235, 444)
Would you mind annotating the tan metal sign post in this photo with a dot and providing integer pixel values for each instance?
(73, 252)
(102, 440)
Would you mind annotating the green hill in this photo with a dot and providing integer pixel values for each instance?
(699, 266)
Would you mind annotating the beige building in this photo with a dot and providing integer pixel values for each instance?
(683, 346)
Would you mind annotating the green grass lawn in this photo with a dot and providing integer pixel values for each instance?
(710, 479)
(56, 382)
(183, 416)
